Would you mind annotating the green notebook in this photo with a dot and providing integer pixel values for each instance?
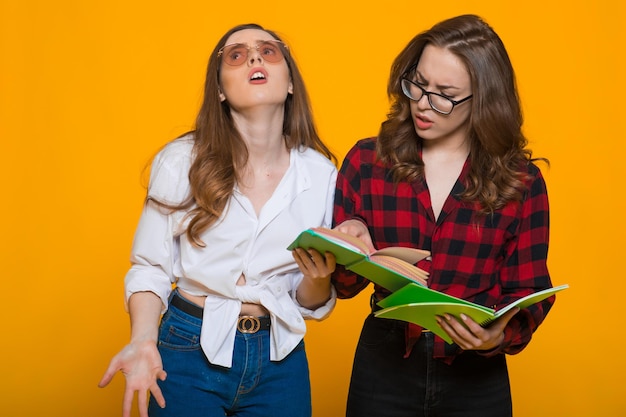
(391, 268)
(394, 269)
(419, 305)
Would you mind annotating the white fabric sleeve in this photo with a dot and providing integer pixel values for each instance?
(154, 251)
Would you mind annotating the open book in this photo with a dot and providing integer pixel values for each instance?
(421, 305)
(392, 268)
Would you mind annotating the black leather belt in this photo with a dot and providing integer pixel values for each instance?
(252, 324)
(245, 324)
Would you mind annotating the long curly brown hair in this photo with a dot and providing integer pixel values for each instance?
(219, 152)
(497, 144)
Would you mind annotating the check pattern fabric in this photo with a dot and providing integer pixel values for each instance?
(490, 259)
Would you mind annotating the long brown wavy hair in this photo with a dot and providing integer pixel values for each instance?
(219, 152)
(497, 144)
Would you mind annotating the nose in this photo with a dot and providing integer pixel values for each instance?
(254, 54)
(423, 102)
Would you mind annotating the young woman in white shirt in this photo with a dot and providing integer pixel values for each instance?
(217, 303)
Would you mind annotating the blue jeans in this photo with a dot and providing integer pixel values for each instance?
(253, 387)
(385, 384)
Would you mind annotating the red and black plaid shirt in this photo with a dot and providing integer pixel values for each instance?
(490, 260)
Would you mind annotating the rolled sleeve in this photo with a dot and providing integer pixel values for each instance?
(154, 252)
(321, 312)
(151, 257)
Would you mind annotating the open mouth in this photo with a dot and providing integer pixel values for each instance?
(257, 76)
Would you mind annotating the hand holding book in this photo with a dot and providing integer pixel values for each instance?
(421, 306)
(394, 269)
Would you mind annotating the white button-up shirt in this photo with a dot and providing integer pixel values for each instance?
(238, 243)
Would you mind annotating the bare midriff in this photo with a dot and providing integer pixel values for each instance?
(247, 309)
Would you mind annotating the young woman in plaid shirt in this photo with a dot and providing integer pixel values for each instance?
(450, 173)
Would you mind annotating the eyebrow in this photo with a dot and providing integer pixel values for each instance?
(255, 42)
(420, 76)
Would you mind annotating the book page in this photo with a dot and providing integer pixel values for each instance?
(532, 299)
(385, 270)
(342, 239)
(403, 268)
(410, 255)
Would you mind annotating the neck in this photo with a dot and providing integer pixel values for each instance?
(261, 128)
(266, 165)
(445, 150)
(263, 152)
(259, 125)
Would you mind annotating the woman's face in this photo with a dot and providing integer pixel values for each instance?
(255, 80)
(440, 71)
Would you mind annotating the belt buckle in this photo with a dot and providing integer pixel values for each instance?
(248, 324)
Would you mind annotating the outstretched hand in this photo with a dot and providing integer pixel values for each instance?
(141, 364)
(469, 335)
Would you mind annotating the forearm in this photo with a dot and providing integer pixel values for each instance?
(313, 293)
(347, 283)
(145, 311)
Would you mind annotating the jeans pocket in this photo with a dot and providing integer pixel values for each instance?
(178, 334)
(379, 332)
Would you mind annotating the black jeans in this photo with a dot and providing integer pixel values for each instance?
(385, 384)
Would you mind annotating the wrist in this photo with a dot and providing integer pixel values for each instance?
(138, 338)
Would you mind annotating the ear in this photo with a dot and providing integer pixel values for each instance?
(221, 95)
(290, 89)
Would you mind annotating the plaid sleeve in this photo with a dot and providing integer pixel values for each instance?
(525, 269)
(347, 206)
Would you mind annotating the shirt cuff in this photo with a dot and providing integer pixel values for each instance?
(162, 294)
(322, 312)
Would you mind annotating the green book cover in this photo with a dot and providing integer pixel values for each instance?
(391, 268)
(421, 306)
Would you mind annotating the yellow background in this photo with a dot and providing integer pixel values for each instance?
(90, 89)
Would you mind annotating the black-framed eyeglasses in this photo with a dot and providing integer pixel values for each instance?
(438, 102)
(236, 54)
